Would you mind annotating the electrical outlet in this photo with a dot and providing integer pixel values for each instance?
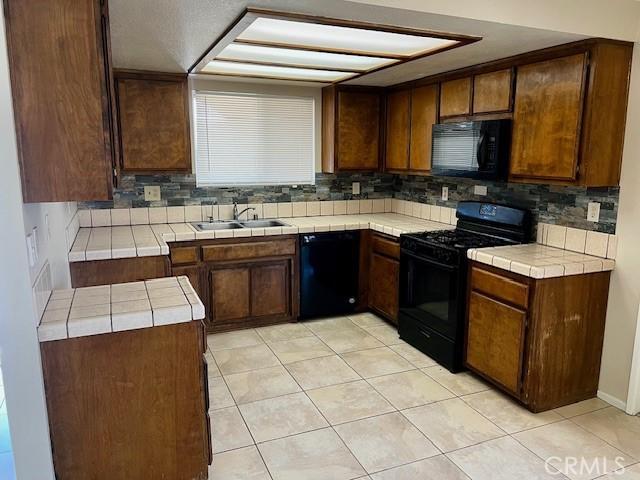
(480, 190)
(355, 188)
(31, 250)
(593, 212)
(36, 248)
(445, 194)
(152, 194)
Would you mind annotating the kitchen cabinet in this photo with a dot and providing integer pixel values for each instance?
(398, 133)
(540, 341)
(492, 92)
(153, 116)
(455, 97)
(424, 114)
(384, 276)
(350, 129)
(130, 404)
(120, 270)
(59, 61)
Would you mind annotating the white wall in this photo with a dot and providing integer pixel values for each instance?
(19, 347)
(624, 294)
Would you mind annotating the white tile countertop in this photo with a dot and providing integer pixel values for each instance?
(540, 261)
(99, 243)
(103, 309)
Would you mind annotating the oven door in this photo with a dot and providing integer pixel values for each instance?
(430, 293)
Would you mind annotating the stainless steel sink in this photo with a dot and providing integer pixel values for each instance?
(263, 223)
(219, 225)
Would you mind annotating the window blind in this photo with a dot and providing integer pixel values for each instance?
(249, 139)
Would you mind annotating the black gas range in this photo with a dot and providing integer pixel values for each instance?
(433, 276)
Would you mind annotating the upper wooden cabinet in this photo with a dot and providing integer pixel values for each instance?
(153, 117)
(424, 114)
(455, 97)
(59, 62)
(492, 92)
(398, 122)
(350, 129)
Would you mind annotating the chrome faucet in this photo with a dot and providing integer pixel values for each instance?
(236, 214)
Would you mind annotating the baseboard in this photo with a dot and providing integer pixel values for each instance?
(610, 399)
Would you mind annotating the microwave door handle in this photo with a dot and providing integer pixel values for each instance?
(481, 152)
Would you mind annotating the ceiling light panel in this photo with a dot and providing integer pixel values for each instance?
(301, 58)
(220, 67)
(340, 39)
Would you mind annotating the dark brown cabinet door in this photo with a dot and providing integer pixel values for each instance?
(61, 83)
(384, 278)
(492, 92)
(193, 273)
(455, 97)
(424, 114)
(230, 294)
(270, 287)
(546, 119)
(398, 121)
(495, 342)
(358, 133)
(154, 122)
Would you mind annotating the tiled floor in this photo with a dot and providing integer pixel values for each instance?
(345, 398)
(6, 456)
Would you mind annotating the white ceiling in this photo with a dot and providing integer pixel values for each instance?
(169, 35)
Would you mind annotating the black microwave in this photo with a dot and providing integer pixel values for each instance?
(477, 149)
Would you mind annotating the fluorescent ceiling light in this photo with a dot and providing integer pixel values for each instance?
(301, 58)
(220, 67)
(340, 39)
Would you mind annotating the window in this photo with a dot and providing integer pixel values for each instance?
(253, 139)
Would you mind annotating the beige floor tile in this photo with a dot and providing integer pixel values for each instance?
(376, 362)
(286, 331)
(243, 359)
(506, 413)
(580, 408)
(219, 396)
(261, 384)
(318, 455)
(615, 427)
(228, 430)
(502, 459)
(321, 372)
(413, 355)
(282, 416)
(560, 443)
(349, 340)
(409, 389)
(385, 441)
(386, 334)
(349, 401)
(452, 424)
(463, 383)
(328, 324)
(625, 473)
(212, 367)
(241, 338)
(242, 464)
(289, 351)
(434, 468)
(367, 320)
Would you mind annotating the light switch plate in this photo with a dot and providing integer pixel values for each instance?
(593, 212)
(31, 250)
(445, 194)
(152, 194)
(480, 190)
(355, 188)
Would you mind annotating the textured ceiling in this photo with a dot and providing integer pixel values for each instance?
(169, 35)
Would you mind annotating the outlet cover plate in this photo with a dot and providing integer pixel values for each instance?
(480, 190)
(593, 212)
(152, 194)
(445, 194)
(355, 188)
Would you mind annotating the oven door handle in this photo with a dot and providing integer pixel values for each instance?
(443, 266)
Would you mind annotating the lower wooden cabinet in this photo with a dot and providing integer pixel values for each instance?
(538, 340)
(384, 276)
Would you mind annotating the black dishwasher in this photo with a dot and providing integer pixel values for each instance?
(328, 273)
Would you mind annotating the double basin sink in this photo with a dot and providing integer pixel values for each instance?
(234, 224)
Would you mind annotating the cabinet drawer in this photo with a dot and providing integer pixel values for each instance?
(500, 287)
(183, 255)
(386, 247)
(241, 251)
